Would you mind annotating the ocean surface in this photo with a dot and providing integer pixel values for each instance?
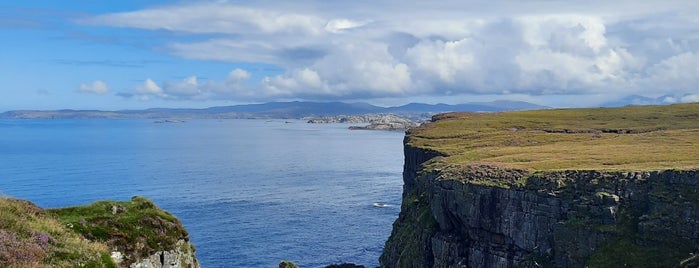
(250, 192)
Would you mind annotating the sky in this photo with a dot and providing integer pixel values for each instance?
(133, 54)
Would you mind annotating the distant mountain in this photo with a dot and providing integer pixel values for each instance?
(282, 110)
(642, 100)
(494, 106)
(298, 109)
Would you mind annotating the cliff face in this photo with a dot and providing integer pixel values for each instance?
(489, 216)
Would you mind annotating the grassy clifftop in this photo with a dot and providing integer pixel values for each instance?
(85, 236)
(31, 237)
(629, 138)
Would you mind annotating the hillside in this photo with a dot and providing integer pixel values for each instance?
(556, 188)
(102, 234)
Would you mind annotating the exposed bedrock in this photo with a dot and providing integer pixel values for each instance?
(487, 216)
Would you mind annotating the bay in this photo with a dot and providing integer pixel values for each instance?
(250, 192)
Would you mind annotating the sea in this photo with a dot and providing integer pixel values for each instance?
(251, 193)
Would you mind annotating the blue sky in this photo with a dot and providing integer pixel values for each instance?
(140, 54)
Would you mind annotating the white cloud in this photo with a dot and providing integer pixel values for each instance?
(238, 75)
(191, 88)
(679, 72)
(341, 25)
(444, 60)
(690, 98)
(149, 88)
(185, 88)
(96, 87)
(213, 18)
(345, 50)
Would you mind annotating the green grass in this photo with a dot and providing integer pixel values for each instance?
(29, 237)
(84, 236)
(629, 138)
(136, 228)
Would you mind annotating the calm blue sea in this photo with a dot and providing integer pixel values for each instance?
(250, 192)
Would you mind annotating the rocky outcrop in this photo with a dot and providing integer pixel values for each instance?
(374, 121)
(138, 233)
(490, 216)
(181, 256)
(388, 122)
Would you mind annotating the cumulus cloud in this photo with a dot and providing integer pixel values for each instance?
(344, 50)
(97, 87)
(191, 88)
(238, 75)
(149, 88)
(187, 87)
(690, 98)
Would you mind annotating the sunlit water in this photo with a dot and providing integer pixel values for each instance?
(250, 192)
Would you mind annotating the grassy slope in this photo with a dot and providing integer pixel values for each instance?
(83, 236)
(137, 228)
(629, 138)
(29, 237)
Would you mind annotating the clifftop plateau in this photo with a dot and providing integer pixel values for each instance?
(104, 234)
(553, 188)
(629, 138)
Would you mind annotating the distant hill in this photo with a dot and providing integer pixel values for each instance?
(494, 106)
(281, 110)
(636, 100)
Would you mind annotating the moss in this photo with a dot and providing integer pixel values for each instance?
(536, 260)
(411, 233)
(137, 227)
(625, 246)
(624, 252)
(287, 264)
(481, 174)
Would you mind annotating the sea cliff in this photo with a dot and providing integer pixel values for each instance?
(135, 234)
(465, 206)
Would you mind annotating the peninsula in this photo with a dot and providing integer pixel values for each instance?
(608, 187)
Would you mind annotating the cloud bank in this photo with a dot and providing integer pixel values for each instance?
(389, 49)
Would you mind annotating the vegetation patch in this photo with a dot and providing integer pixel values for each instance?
(29, 237)
(625, 247)
(137, 228)
(412, 231)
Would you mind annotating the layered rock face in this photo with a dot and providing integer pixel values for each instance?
(489, 216)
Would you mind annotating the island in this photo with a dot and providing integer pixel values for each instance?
(607, 187)
(135, 234)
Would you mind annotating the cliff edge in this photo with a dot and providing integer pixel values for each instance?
(132, 234)
(554, 188)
